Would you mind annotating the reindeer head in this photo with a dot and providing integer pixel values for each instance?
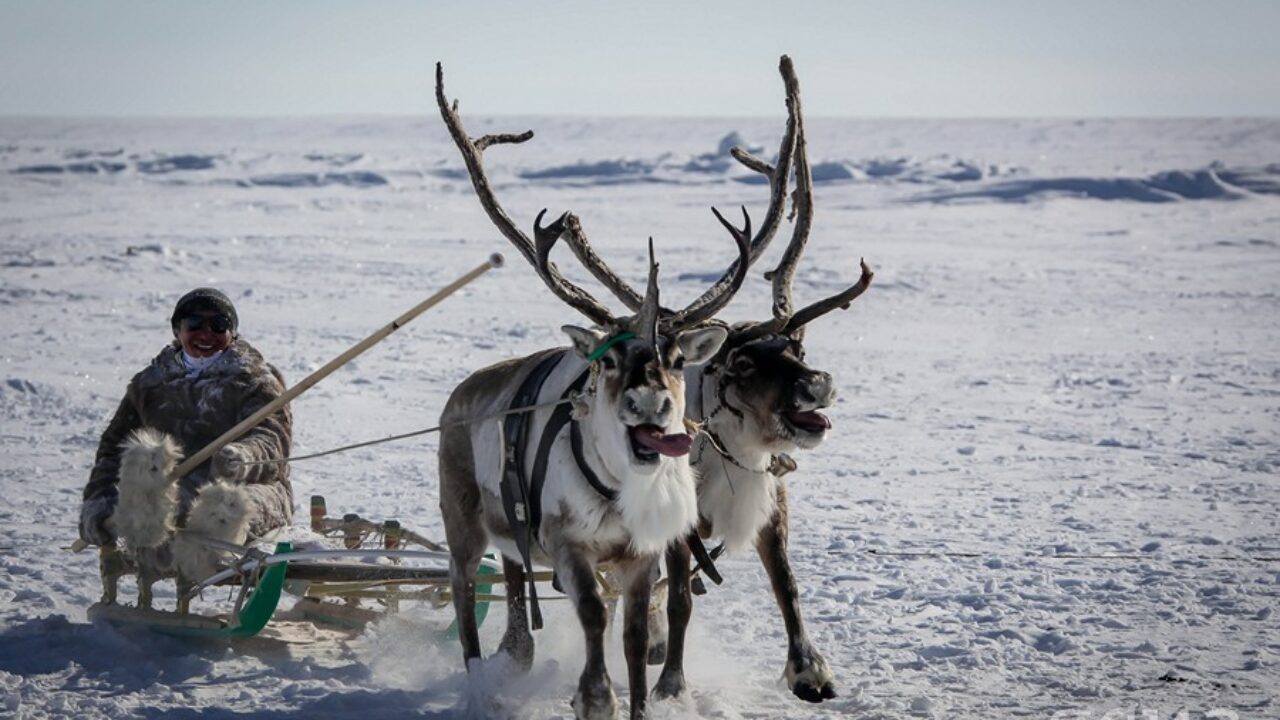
(759, 374)
(636, 390)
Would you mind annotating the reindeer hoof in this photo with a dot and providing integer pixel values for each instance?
(657, 654)
(669, 686)
(595, 705)
(520, 651)
(814, 683)
(810, 693)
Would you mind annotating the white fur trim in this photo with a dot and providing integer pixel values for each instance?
(221, 511)
(148, 502)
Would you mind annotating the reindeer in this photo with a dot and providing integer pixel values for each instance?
(757, 400)
(618, 487)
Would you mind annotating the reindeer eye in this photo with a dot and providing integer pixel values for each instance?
(743, 365)
(678, 364)
(608, 363)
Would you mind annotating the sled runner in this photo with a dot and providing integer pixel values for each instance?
(348, 587)
(255, 604)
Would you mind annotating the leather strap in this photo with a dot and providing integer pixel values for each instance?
(516, 495)
(702, 558)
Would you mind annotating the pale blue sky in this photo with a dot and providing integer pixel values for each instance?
(911, 58)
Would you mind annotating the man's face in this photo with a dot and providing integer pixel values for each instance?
(204, 333)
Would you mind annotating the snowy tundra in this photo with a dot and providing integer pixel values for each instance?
(1050, 489)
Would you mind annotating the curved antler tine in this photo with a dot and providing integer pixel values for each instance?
(586, 255)
(784, 274)
(545, 237)
(745, 232)
(471, 151)
(576, 297)
(743, 335)
(646, 322)
(795, 324)
(723, 291)
(779, 175)
(719, 294)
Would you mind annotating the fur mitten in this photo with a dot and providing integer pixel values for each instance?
(220, 511)
(229, 464)
(148, 502)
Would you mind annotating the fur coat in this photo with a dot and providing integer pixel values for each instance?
(196, 409)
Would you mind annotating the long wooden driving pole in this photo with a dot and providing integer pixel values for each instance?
(495, 260)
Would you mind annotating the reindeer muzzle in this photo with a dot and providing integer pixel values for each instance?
(809, 420)
(652, 438)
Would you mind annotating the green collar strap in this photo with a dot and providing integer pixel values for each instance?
(608, 343)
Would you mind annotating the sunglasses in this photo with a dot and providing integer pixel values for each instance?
(216, 323)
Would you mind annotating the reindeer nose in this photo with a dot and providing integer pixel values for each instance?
(815, 389)
(648, 405)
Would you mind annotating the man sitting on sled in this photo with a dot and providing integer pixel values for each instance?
(199, 386)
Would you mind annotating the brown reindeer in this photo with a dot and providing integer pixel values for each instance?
(757, 400)
(616, 485)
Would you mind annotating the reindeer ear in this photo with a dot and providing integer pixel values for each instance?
(701, 345)
(585, 340)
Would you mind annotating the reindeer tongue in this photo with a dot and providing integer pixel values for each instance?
(650, 436)
(809, 420)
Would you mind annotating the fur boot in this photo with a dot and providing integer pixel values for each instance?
(220, 511)
(148, 503)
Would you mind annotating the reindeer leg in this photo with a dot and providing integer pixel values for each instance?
(517, 642)
(146, 575)
(110, 567)
(658, 625)
(184, 587)
(679, 607)
(595, 699)
(637, 580)
(807, 673)
(463, 514)
(146, 578)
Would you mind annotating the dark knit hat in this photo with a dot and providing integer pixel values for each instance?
(204, 299)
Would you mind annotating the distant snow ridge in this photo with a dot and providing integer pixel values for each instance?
(357, 179)
(96, 167)
(174, 163)
(108, 162)
(1171, 186)
(635, 170)
(889, 170)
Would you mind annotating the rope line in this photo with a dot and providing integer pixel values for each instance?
(404, 436)
(1073, 556)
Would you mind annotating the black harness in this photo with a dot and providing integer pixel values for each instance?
(521, 494)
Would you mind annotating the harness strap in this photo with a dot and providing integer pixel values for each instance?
(702, 557)
(562, 416)
(575, 440)
(516, 495)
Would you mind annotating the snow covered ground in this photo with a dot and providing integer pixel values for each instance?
(1071, 350)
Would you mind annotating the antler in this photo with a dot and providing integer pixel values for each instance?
(722, 292)
(777, 174)
(646, 322)
(785, 319)
(795, 324)
(538, 253)
(471, 150)
(587, 256)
